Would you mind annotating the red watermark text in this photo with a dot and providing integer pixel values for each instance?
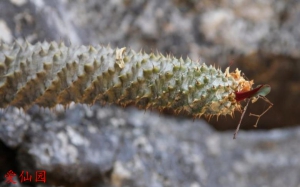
(25, 176)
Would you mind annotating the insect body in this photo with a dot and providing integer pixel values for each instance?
(259, 92)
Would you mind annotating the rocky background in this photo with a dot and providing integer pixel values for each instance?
(110, 146)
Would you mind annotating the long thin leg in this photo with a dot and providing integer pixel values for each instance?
(258, 116)
(242, 116)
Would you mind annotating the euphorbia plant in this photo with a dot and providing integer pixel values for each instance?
(48, 74)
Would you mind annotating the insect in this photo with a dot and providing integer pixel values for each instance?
(261, 91)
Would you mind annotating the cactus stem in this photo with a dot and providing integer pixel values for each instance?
(48, 74)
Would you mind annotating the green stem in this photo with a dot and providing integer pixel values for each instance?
(48, 74)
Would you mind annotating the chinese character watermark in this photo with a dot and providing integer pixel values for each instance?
(25, 176)
(9, 177)
(40, 176)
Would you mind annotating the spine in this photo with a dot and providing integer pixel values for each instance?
(48, 74)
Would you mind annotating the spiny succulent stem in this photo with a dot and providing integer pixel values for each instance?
(48, 74)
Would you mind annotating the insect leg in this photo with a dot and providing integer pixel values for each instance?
(258, 116)
(242, 116)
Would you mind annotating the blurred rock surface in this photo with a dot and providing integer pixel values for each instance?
(109, 146)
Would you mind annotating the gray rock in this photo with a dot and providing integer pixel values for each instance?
(109, 146)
